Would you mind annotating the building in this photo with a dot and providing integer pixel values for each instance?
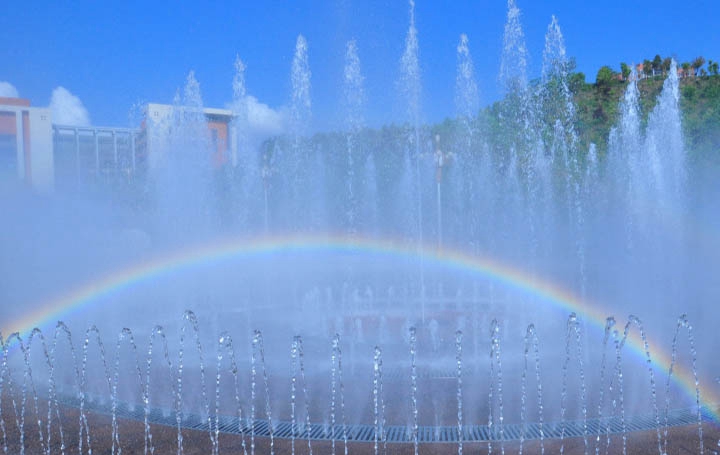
(26, 147)
(87, 155)
(156, 133)
(640, 70)
(682, 72)
(47, 156)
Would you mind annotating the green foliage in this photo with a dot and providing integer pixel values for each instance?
(576, 81)
(700, 104)
(624, 70)
(605, 76)
(647, 67)
(713, 68)
(597, 112)
(688, 92)
(666, 64)
(502, 127)
(657, 65)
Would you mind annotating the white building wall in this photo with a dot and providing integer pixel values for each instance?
(41, 149)
(39, 146)
(158, 120)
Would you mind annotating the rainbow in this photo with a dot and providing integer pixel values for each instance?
(227, 249)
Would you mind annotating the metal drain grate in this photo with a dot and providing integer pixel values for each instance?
(402, 374)
(397, 433)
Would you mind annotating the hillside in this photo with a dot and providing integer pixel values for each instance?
(597, 109)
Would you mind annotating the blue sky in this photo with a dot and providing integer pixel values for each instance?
(113, 55)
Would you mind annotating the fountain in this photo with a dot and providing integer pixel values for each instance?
(424, 288)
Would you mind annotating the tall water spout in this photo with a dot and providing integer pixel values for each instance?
(300, 115)
(245, 177)
(558, 98)
(300, 102)
(625, 139)
(411, 87)
(559, 109)
(666, 186)
(473, 181)
(354, 99)
(627, 170)
(514, 61)
(240, 112)
(665, 144)
(467, 98)
(180, 169)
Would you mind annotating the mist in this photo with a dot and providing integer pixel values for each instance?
(494, 271)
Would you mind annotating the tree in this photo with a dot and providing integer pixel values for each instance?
(624, 70)
(713, 68)
(647, 67)
(686, 68)
(657, 64)
(576, 81)
(697, 64)
(666, 64)
(571, 65)
(604, 76)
